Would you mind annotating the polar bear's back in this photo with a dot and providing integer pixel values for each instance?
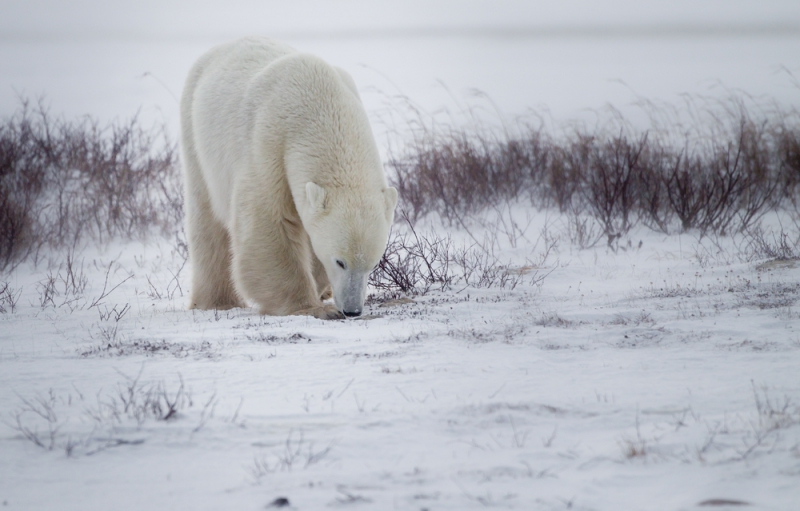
(215, 122)
(253, 108)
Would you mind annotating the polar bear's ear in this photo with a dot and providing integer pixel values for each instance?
(390, 198)
(316, 197)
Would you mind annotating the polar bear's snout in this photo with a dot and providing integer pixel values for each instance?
(349, 297)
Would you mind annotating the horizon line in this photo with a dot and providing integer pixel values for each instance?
(591, 31)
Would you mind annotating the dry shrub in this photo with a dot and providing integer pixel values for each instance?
(718, 176)
(416, 263)
(610, 183)
(787, 139)
(65, 182)
(462, 176)
(726, 185)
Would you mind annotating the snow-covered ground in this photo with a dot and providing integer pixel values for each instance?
(662, 375)
(657, 377)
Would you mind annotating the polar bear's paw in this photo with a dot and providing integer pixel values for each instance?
(327, 311)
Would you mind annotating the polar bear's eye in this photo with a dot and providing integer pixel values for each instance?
(341, 264)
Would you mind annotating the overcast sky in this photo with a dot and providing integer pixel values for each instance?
(163, 18)
(110, 59)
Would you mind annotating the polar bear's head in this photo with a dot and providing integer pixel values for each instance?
(348, 234)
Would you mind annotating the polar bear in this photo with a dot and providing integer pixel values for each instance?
(285, 193)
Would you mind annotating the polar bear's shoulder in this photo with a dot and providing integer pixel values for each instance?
(240, 58)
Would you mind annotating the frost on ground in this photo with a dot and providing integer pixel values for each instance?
(660, 375)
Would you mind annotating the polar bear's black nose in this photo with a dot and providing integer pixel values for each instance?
(352, 314)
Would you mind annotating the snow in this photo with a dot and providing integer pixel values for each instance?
(657, 376)
(524, 398)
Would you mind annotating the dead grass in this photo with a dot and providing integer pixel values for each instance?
(9, 297)
(47, 420)
(780, 246)
(111, 346)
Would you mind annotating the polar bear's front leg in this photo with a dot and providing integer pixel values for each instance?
(325, 311)
(321, 277)
(273, 263)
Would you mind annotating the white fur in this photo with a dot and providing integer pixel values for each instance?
(283, 182)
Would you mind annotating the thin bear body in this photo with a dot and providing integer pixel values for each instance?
(285, 194)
